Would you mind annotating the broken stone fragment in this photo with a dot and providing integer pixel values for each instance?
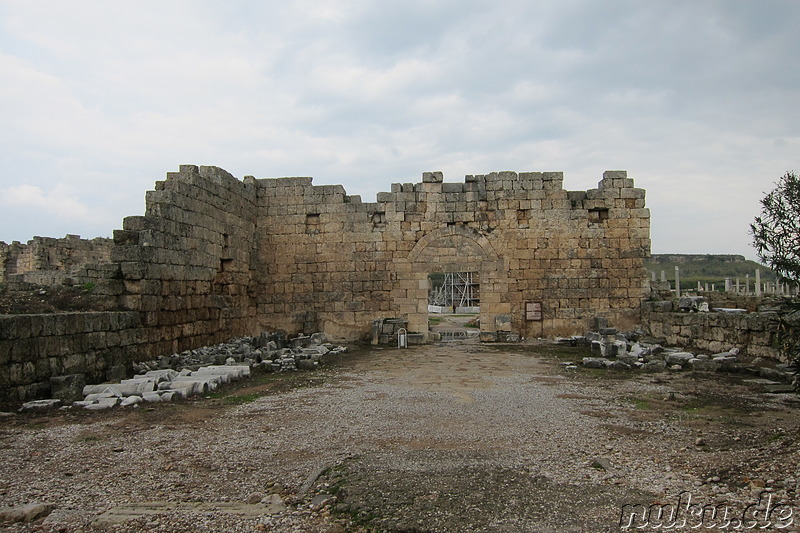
(108, 392)
(678, 358)
(601, 463)
(595, 362)
(654, 366)
(103, 403)
(653, 356)
(135, 388)
(151, 397)
(67, 388)
(628, 359)
(306, 364)
(692, 303)
(255, 498)
(617, 348)
(321, 500)
(26, 513)
(176, 392)
(195, 386)
(319, 338)
(598, 348)
(703, 365)
(618, 365)
(233, 371)
(161, 375)
(274, 504)
(131, 400)
(168, 396)
(40, 405)
(636, 350)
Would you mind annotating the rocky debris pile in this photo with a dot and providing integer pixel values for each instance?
(192, 372)
(632, 351)
(161, 386)
(272, 352)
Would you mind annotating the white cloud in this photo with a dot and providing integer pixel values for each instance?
(696, 100)
(58, 201)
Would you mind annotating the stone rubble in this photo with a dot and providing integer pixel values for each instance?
(198, 372)
(611, 349)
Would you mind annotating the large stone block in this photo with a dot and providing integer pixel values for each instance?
(67, 388)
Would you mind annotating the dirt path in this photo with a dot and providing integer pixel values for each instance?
(451, 437)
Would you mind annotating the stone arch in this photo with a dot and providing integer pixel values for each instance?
(451, 249)
(452, 233)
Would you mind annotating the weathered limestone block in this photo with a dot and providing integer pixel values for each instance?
(40, 405)
(136, 388)
(68, 388)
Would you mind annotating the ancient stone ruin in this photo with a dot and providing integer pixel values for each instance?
(215, 257)
(47, 261)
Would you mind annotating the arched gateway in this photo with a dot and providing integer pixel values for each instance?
(216, 256)
(451, 249)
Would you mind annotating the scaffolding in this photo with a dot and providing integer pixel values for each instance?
(459, 289)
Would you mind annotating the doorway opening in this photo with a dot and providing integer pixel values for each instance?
(458, 291)
(454, 304)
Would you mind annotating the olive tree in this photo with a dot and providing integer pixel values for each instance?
(776, 237)
(776, 233)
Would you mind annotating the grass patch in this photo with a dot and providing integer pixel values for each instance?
(234, 399)
(434, 321)
(641, 404)
(239, 399)
(777, 436)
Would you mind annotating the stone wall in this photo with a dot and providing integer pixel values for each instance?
(752, 333)
(34, 348)
(187, 265)
(214, 257)
(329, 261)
(181, 276)
(47, 261)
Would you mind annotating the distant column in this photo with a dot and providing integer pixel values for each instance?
(758, 282)
(738, 288)
(727, 284)
(678, 282)
(747, 284)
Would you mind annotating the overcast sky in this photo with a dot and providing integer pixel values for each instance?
(698, 100)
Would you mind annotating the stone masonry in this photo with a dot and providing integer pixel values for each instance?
(215, 254)
(324, 254)
(214, 257)
(47, 261)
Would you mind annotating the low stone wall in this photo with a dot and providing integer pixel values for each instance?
(101, 345)
(753, 333)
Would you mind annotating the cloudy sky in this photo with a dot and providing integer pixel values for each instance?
(699, 101)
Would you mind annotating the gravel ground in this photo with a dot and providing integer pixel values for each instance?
(452, 437)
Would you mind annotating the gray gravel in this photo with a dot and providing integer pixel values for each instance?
(453, 437)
